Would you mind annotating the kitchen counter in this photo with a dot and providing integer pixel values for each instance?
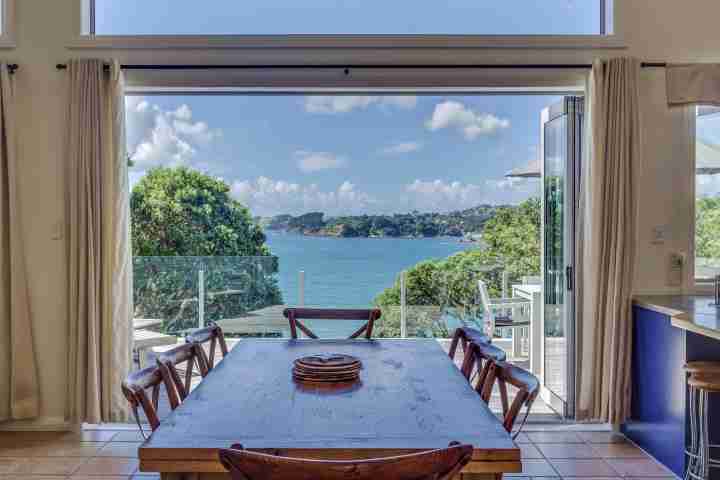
(694, 313)
(668, 332)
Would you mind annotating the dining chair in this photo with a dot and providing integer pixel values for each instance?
(527, 385)
(192, 354)
(294, 315)
(135, 388)
(442, 464)
(464, 336)
(483, 356)
(214, 336)
(505, 313)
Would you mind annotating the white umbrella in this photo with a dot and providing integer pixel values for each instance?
(707, 158)
(707, 162)
(531, 170)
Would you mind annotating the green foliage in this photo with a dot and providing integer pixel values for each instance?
(179, 211)
(184, 221)
(707, 228)
(414, 224)
(512, 237)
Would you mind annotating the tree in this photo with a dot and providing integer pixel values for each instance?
(182, 222)
(707, 228)
(512, 239)
(182, 212)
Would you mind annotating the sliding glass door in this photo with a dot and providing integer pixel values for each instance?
(562, 148)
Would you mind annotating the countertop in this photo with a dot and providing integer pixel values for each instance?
(689, 312)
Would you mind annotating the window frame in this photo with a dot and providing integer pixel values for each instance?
(606, 39)
(700, 284)
(7, 35)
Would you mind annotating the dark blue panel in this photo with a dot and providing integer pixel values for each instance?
(698, 348)
(658, 395)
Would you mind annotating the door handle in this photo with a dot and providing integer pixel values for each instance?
(569, 278)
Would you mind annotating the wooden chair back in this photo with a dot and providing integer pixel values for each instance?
(527, 385)
(464, 336)
(443, 464)
(135, 388)
(192, 355)
(295, 315)
(484, 356)
(212, 335)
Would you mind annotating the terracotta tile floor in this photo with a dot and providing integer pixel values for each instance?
(106, 454)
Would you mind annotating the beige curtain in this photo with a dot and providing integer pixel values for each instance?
(607, 241)
(694, 84)
(98, 243)
(19, 394)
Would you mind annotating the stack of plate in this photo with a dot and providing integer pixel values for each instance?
(332, 368)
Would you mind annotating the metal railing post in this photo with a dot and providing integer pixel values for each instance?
(201, 298)
(301, 288)
(403, 306)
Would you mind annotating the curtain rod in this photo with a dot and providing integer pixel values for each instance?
(63, 66)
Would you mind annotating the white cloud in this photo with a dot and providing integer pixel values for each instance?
(310, 162)
(159, 137)
(266, 197)
(402, 148)
(336, 104)
(441, 196)
(452, 114)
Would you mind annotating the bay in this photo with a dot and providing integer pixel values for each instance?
(349, 272)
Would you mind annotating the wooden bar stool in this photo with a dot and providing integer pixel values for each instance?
(704, 379)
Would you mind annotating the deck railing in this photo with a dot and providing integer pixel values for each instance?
(247, 295)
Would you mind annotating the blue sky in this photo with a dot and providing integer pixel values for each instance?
(345, 154)
(120, 17)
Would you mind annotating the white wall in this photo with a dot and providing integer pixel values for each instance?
(653, 29)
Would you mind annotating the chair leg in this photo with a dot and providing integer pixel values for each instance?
(516, 342)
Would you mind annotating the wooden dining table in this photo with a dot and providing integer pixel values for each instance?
(410, 398)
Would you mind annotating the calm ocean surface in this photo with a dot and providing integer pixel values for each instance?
(349, 272)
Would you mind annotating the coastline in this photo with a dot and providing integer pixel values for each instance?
(458, 239)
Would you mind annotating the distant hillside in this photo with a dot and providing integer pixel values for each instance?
(415, 224)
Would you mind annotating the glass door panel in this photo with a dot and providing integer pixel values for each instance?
(562, 134)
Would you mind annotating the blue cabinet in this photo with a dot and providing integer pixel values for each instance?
(658, 421)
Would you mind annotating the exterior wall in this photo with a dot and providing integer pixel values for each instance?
(652, 29)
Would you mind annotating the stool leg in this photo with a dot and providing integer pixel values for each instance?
(692, 450)
(705, 438)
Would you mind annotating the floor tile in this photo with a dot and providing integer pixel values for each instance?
(52, 449)
(120, 449)
(128, 436)
(618, 450)
(583, 468)
(33, 477)
(537, 468)
(567, 450)
(593, 478)
(638, 467)
(603, 437)
(96, 477)
(554, 437)
(90, 436)
(529, 451)
(108, 466)
(10, 465)
(48, 466)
